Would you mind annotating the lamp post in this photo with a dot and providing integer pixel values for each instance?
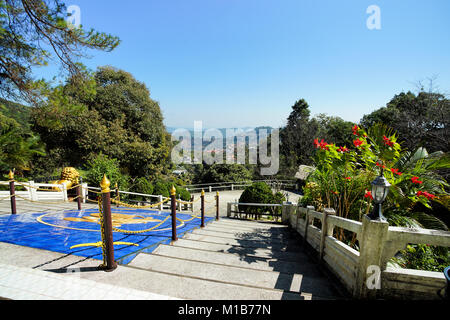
(380, 189)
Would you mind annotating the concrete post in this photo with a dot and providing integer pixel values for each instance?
(372, 239)
(179, 203)
(229, 209)
(326, 229)
(160, 199)
(286, 210)
(84, 191)
(64, 191)
(210, 189)
(307, 222)
(33, 191)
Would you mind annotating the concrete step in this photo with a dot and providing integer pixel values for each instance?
(304, 266)
(257, 252)
(250, 236)
(290, 246)
(253, 226)
(218, 272)
(187, 287)
(263, 232)
(247, 223)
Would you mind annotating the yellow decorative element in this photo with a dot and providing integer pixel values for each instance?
(99, 244)
(217, 193)
(11, 175)
(104, 184)
(203, 192)
(118, 219)
(69, 178)
(173, 191)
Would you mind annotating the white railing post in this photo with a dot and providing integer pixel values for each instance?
(160, 199)
(84, 191)
(33, 191)
(372, 240)
(64, 192)
(210, 189)
(229, 209)
(327, 229)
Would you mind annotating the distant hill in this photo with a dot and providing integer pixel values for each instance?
(16, 111)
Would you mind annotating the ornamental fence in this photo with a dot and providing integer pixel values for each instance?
(367, 272)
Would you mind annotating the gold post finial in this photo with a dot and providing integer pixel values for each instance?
(11, 175)
(203, 192)
(104, 184)
(173, 191)
(217, 193)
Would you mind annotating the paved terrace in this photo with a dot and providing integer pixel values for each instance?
(229, 259)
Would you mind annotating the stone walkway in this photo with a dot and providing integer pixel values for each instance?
(229, 259)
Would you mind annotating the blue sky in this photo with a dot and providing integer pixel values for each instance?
(234, 63)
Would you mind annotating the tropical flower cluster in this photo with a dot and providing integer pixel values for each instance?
(343, 175)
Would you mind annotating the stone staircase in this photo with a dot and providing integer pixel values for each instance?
(231, 259)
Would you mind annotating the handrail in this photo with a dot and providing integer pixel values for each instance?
(347, 224)
(258, 204)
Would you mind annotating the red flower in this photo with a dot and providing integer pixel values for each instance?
(381, 165)
(416, 180)
(368, 195)
(342, 149)
(335, 192)
(355, 130)
(358, 143)
(348, 178)
(396, 171)
(323, 145)
(388, 142)
(316, 143)
(427, 195)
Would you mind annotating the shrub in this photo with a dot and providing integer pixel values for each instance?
(259, 192)
(102, 165)
(142, 185)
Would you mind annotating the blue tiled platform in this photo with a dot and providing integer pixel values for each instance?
(58, 231)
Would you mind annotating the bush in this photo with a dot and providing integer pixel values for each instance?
(259, 192)
(102, 165)
(142, 185)
(161, 188)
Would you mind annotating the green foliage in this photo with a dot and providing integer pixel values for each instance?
(260, 192)
(27, 29)
(17, 147)
(225, 173)
(110, 113)
(141, 185)
(421, 120)
(342, 181)
(424, 257)
(103, 165)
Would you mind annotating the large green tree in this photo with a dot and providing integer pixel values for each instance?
(17, 146)
(33, 32)
(421, 120)
(114, 116)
